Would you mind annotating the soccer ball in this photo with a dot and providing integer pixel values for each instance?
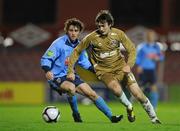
(51, 114)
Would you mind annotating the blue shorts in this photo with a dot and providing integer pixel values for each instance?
(55, 84)
(148, 77)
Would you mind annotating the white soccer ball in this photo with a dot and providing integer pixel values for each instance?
(51, 114)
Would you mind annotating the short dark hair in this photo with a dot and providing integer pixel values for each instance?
(75, 22)
(104, 16)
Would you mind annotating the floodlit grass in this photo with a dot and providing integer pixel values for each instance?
(28, 118)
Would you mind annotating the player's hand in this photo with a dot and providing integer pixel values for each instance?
(139, 70)
(126, 69)
(71, 76)
(49, 75)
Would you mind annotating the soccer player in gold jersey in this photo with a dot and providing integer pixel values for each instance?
(109, 63)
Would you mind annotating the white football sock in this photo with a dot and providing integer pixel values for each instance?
(125, 101)
(149, 109)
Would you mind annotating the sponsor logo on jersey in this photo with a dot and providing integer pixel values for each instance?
(114, 43)
(67, 61)
(108, 54)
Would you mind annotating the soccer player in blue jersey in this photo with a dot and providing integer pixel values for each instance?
(55, 64)
(148, 55)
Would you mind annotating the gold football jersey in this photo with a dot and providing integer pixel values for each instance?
(104, 51)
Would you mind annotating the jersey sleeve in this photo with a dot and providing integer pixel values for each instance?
(139, 56)
(76, 53)
(50, 56)
(159, 53)
(84, 61)
(130, 48)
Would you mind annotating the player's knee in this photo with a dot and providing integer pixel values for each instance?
(112, 83)
(117, 91)
(93, 96)
(68, 87)
(137, 96)
(71, 91)
(154, 88)
(115, 87)
(140, 97)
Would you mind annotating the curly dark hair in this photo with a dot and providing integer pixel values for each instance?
(104, 16)
(75, 22)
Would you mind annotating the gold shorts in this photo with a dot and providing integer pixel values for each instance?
(126, 79)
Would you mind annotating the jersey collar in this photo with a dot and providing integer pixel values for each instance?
(71, 43)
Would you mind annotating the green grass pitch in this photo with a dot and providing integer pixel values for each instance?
(28, 118)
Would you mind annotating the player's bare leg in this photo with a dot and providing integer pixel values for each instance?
(69, 87)
(117, 90)
(139, 95)
(115, 87)
(86, 90)
(73, 103)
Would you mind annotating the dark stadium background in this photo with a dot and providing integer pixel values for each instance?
(19, 63)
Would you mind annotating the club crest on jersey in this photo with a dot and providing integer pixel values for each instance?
(114, 43)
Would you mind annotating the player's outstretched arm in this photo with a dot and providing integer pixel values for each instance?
(75, 55)
(72, 60)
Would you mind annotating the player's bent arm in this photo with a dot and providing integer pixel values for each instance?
(49, 56)
(76, 53)
(46, 66)
(130, 48)
(126, 69)
(140, 55)
(84, 61)
(160, 54)
(72, 60)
